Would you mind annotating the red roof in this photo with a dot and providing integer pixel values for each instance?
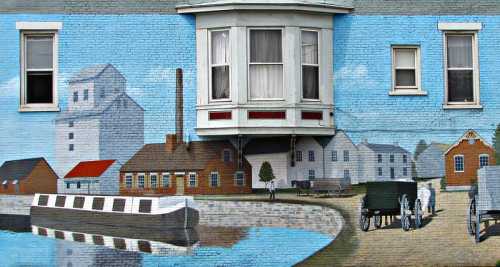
(89, 168)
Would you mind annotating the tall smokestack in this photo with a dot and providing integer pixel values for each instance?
(179, 107)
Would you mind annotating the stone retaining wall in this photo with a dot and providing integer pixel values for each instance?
(234, 213)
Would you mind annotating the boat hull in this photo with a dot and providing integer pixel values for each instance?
(178, 219)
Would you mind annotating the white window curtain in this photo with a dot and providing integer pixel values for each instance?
(266, 64)
(220, 57)
(39, 52)
(310, 66)
(405, 67)
(460, 68)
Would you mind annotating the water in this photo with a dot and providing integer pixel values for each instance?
(75, 245)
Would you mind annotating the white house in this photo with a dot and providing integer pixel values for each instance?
(101, 121)
(98, 177)
(326, 157)
(430, 163)
(274, 150)
(383, 162)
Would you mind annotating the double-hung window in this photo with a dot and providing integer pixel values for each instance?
(128, 181)
(310, 65)
(38, 70)
(154, 180)
(483, 160)
(140, 181)
(219, 64)
(265, 64)
(405, 69)
(461, 73)
(346, 155)
(166, 180)
(459, 163)
(214, 179)
(239, 178)
(334, 155)
(298, 155)
(192, 179)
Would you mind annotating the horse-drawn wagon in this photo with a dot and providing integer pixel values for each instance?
(484, 205)
(391, 198)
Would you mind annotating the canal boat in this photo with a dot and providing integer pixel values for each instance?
(153, 213)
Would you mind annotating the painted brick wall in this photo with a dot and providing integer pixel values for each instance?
(362, 80)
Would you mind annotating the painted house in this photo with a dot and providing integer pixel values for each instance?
(430, 162)
(101, 122)
(98, 177)
(27, 176)
(462, 160)
(253, 69)
(179, 168)
(380, 162)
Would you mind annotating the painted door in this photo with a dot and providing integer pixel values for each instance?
(180, 185)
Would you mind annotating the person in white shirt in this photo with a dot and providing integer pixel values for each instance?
(272, 191)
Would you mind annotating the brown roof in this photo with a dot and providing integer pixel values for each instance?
(154, 157)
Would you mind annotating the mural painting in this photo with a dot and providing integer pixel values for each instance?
(255, 133)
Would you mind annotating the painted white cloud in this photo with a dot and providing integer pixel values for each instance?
(167, 75)
(9, 87)
(354, 76)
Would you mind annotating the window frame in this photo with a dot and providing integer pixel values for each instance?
(487, 160)
(218, 179)
(143, 182)
(127, 176)
(407, 90)
(311, 156)
(346, 155)
(455, 163)
(210, 65)
(35, 107)
(334, 156)
(311, 173)
(163, 175)
(380, 171)
(195, 180)
(318, 32)
(248, 63)
(476, 103)
(298, 155)
(236, 178)
(151, 180)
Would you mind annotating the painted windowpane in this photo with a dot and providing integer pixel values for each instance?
(71, 136)
(310, 65)
(214, 179)
(166, 180)
(128, 181)
(483, 160)
(298, 155)
(154, 181)
(346, 155)
(38, 68)
(71, 147)
(220, 56)
(75, 96)
(70, 124)
(192, 180)
(266, 64)
(239, 178)
(347, 175)
(226, 155)
(140, 182)
(311, 175)
(334, 155)
(380, 172)
(405, 171)
(405, 158)
(311, 155)
(460, 67)
(393, 173)
(459, 163)
(86, 94)
(391, 158)
(379, 158)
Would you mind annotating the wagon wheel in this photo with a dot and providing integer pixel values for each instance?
(418, 214)
(471, 217)
(377, 221)
(364, 220)
(405, 213)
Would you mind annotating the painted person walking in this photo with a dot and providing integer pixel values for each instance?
(431, 207)
(272, 191)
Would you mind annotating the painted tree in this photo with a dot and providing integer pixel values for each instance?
(421, 146)
(496, 144)
(266, 173)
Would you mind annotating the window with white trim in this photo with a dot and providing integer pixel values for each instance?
(128, 181)
(380, 172)
(347, 175)
(459, 163)
(311, 175)
(484, 160)
(193, 179)
(239, 178)
(219, 64)
(311, 155)
(214, 179)
(298, 155)
(166, 180)
(310, 64)
(461, 68)
(140, 181)
(153, 179)
(38, 70)
(265, 70)
(334, 155)
(405, 69)
(346, 155)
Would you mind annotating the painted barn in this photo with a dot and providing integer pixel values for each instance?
(430, 163)
(383, 162)
(27, 176)
(98, 177)
(462, 160)
(179, 168)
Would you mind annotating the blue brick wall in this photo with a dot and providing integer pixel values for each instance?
(147, 55)
(362, 80)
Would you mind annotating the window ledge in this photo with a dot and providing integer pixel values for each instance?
(39, 109)
(402, 92)
(463, 106)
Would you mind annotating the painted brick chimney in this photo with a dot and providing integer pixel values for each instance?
(170, 143)
(179, 107)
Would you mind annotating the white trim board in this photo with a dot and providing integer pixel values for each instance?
(459, 26)
(36, 25)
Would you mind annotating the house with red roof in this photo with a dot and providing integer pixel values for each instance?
(98, 177)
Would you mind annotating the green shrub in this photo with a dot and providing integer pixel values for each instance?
(498, 263)
(443, 183)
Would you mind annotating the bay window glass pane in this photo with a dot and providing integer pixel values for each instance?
(310, 86)
(220, 47)
(265, 46)
(266, 81)
(38, 87)
(220, 82)
(309, 47)
(460, 86)
(39, 52)
(405, 78)
(405, 57)
(459, 51)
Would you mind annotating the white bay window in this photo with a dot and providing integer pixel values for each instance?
(220, 65)
(310, 65)
(266, 64)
